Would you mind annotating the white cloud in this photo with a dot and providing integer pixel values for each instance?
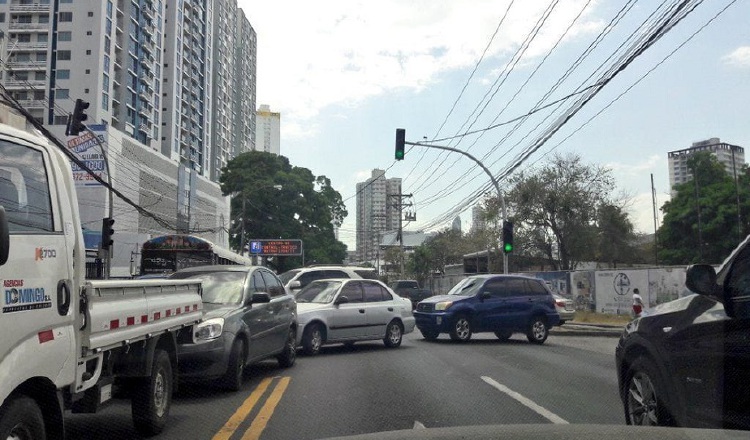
(650, 164)
(315, 54)
(739, 57)
(641, 210)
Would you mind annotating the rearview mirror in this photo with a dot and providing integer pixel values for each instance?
(701, 278)
(341, 300)
(295, 285)
(4, 237)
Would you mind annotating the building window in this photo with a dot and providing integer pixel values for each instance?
(62, 94)
(88, 33)
(88, 71)
(105, 82)
(63, 55)
(64, 36)
(106, 63)
(65, 17)
(90, 14)
(63, 74)
(105, 101)
(44, 19)
(2, 17)
(86, 91)
(61, 120)
(107, 45)
(88, 52)
(41, 38)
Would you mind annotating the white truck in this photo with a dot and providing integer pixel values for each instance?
(68, 343)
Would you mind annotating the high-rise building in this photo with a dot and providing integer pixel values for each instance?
(268, 130)
(187, 85)
(731, 156)
(478, 218)
(107, 53)
(377, 212)
(456, 225)
(235, 51)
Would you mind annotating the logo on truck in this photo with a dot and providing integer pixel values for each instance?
(19, 298)
(42, 253)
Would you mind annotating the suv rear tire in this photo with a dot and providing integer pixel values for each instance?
(538, 330)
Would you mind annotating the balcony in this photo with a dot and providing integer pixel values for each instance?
(16, 26)
(33, 103)
(36, 7)
(143, 111)
(147, 13)
(27, 65)
(25, 84)
(14, 45)
(144, 128)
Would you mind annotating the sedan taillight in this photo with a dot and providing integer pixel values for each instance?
(560, 303)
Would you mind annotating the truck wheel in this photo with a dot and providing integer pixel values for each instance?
(289, 355)
(461, 329)
(152, 397)
(232, 380)
(21, 419)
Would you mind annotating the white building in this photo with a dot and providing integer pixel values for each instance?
(478, 220)
(377, 213)
(268, 130)
(731, 156)
(106, 53)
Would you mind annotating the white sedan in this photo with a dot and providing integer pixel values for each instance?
(346, 310)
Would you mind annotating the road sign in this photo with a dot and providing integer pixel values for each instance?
(276, 247)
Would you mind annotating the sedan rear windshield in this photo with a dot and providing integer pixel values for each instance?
(218, 287)
(320, 292)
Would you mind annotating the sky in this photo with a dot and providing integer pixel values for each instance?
(345, 74)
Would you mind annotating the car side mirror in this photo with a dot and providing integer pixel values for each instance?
(341, 300)
(260, 297)
(4, 237)
(701, 278)
(484, 295)
(295, 285)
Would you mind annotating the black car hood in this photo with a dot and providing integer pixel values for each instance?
(679, 314)
(217, 310)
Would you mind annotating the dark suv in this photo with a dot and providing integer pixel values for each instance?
(502, 304)
(687, 362)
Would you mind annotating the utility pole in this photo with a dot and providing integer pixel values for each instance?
(698, 208)
(242, 234)
(737, 194)
(399, 205)
(653, 202)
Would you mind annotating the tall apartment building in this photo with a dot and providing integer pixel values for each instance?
(377, 212)
(187, 84)
(107, 53)
(731, 156)
(478, 221)
(267, 130)
(233, 85)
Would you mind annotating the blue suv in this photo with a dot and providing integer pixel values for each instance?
(502, 304)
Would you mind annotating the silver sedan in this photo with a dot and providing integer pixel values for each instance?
(565, 308)
(346, 310)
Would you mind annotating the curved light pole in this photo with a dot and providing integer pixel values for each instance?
(492, 178)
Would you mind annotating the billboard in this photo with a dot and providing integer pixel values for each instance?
(614, 289)
(276, 247)
(88, 146)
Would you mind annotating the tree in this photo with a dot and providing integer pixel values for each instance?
(712, 193)
(557, 205)
(273, 199)
(616, 236)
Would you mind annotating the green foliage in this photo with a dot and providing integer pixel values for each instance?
(713, 192)
(616, 235)
(274, 199)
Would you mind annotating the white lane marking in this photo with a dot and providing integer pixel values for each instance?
(544, 412)
(418, 425)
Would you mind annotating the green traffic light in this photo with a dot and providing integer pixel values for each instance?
(507, 248)
(399, 154)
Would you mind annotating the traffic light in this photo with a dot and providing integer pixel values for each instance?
(507, 236)
(400, 140)
(75, 121)
(107, 232)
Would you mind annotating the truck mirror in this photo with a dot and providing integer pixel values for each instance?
(4, 237)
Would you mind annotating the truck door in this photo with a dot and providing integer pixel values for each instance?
(37, 297)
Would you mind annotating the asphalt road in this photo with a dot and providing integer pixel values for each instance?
(370, 388)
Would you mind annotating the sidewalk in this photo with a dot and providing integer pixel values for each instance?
(587, 329)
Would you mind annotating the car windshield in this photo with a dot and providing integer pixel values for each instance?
(320, 292)
(218, 287)
(467, 287)
(288, 275)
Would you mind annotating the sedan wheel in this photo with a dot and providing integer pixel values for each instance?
(461, 330)
(393, 335)
(312, 340)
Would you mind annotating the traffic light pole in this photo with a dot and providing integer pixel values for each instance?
(492, 178)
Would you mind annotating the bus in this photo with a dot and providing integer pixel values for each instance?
(169, 253)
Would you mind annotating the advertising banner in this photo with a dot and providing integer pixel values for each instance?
(88, 147)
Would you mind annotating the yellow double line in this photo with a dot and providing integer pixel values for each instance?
(264, 415)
